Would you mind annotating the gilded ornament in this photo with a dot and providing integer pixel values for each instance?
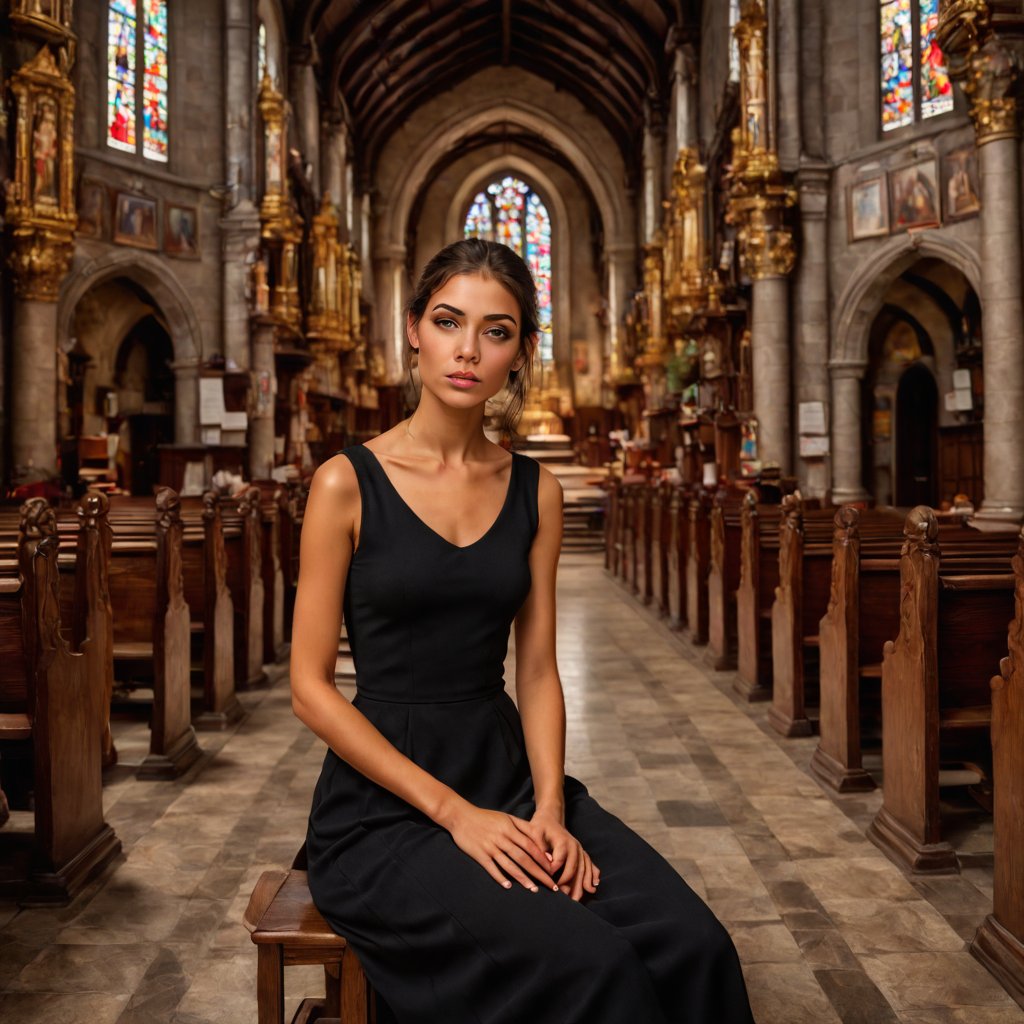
(985, 68)
(40, 202)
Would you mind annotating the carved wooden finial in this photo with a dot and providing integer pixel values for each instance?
(38, 519)
(168, 507)
(91, 506)
(793, 511)
(921, 530)
(211, 500)
(846, 519)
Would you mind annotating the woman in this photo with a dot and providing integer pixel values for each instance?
(476, 882)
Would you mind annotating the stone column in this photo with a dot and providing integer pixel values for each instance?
(389, 326)
(619, 258)
(302, 82)
(34, 390)
(988, 70)
(240, 226)
(334, 155)
(847, 485)
(769, 342)
(186, 401)
(653, 169)
(786, 66)
(811, 314)
(261, 419)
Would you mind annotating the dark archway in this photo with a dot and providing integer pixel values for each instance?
(145, 385)
(917, 406)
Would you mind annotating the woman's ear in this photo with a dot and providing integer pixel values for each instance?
(412, 332)
(526, 351)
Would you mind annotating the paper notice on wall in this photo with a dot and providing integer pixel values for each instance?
(211, 401)
(234, 421)
(962, 380)
(811, 418)
(962, 401)
(813, 447)
(210, 435)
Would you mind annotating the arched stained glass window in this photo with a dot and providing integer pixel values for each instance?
(509, 211)
(734, 46)
(126, 38)
(915, 81)
(261, 52)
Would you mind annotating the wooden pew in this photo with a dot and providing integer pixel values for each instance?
(999, 942)
(642, 534)
(724, 576)
(152, 632)
(245, 581)
(759, 576)
(801, 599)
(292, 507)
(862, 614)
(935, 690)
(274, 647)
(676, 559)
(661, 539)
(698, 565)
(52, 698)
(211, 610)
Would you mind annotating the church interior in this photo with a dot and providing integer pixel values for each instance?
(778, 254)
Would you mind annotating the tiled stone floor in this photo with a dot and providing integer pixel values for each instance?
(828, 930)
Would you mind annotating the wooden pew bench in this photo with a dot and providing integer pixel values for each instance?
(759, 576)
(152, 634)
(724, 576)
(862, 614)
(677, 554)
(936, 697)
(698, 565)
(52, 713)
(999, 942)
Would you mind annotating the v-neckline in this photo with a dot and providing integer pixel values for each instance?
(426, 526)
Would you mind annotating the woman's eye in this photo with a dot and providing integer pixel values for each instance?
(445, 321)
(498, 332)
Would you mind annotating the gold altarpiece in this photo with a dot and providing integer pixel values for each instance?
(40, 203)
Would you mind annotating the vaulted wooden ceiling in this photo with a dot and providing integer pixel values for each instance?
(386, 57)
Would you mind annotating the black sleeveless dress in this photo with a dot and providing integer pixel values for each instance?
(440, 940)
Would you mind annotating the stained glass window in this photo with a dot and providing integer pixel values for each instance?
(124, 71)
(121, 38)
(936, 88)
(734, 46)
(261, 52)
(915, 81)
(154, 143)
(509, 211)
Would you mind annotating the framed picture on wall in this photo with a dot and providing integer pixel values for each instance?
(93, 210)
(914, 194)
(135, 221)
(867, 209)
(960, 192)
(181, 230)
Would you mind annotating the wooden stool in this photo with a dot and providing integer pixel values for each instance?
(288, 930)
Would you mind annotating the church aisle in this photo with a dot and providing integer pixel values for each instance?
(828, 930)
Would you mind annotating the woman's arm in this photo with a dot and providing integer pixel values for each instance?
(327, 542)
(540, 699)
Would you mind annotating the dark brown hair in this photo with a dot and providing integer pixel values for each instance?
(500, 263)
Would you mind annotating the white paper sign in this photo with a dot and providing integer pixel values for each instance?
(962, 380)
(813, 447)
(811, 418)
(211, 401)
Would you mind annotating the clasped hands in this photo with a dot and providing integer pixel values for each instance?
(534, 853)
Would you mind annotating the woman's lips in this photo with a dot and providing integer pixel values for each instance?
(463, 382)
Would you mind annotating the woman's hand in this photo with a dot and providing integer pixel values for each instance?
(503, 846)
(579, 873)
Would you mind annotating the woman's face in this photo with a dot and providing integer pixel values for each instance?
(468, 339)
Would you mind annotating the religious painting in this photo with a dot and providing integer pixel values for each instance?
(135, 221)
(93, 210)
(960, 190)
(181, 230)
(914, 194)
(45, 152)
(867, 209)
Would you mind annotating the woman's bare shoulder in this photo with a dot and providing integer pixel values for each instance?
(336, 482)
(549, 488)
